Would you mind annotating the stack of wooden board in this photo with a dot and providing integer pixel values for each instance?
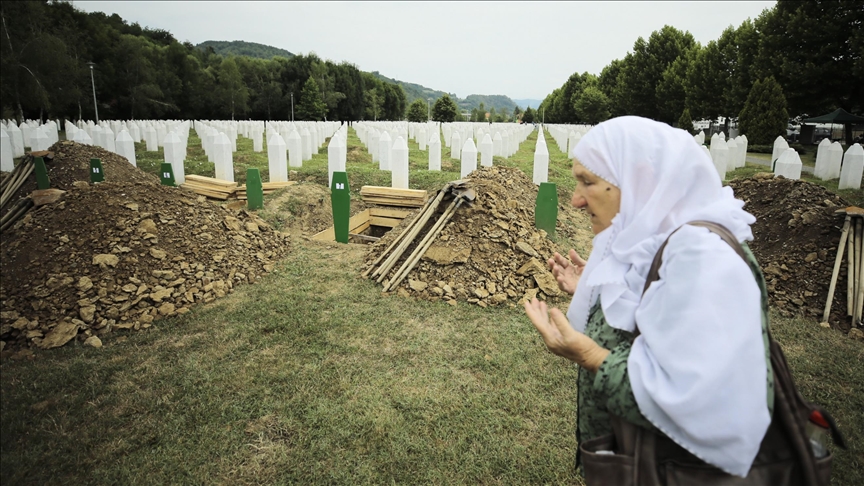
(269, 188)
(388, 196)
(210, 187)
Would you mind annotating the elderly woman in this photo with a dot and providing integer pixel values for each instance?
(697, 371)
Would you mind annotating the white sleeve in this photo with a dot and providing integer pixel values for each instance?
(698, 369)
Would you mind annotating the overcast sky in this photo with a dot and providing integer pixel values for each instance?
(519, 49)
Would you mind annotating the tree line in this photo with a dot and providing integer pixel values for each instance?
(810, 53)
(45, 48)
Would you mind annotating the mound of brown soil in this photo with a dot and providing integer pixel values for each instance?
(795, 240)
(121, 254)
(489, 253)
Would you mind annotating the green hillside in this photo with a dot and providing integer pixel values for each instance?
(416, 91)
(243, 48)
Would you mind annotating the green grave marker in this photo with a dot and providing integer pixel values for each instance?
(96, 172)
(340, 198)
(167, 174)
(42, 181)
(254, 189)
(546, 210)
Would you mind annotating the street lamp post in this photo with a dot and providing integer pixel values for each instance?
(428, 109)
(93, 83)
(292, 106)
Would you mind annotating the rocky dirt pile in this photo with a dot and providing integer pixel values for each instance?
(118, 255)
(490, 253)
(795, 240)
(304, 209)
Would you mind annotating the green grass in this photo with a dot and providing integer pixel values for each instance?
(312, 376)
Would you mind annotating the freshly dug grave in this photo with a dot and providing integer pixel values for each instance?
(118, 255)
(304, 209)
(796, 235)
(490, 253)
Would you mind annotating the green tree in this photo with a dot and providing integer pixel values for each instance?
(764, 116)
(311, 106)
(373, 104)
(592, 106)
(445, 110)
(231, 91)
(685, 122)
(517, 113)
(417, 111)
(528, 115)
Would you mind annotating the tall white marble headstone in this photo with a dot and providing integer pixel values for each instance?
(788, 165)
(295, 149)
(399, 163)
(150, 139)
(421, 137)
(435, 153)
(468, 155)
(835, 159)
(334, 158)
(175, 154)
(223, 159)
(108, 138)
(17, 140)
(456, 145)
(277, 162)
(496, 145)
(486, 151)
(541, 162)
(385, 145)
(126, 147)
(821, 168)
(7, 161)
(780, 146)
(853, 168)
(306, 138)
(720, 156)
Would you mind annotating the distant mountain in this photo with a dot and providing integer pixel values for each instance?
(243, 48)
(416, 91)
(499, 102)
(526, 103)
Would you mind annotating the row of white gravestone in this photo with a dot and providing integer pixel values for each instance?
(567, 136)
(832, 163)
(726, 156)
(541, 159)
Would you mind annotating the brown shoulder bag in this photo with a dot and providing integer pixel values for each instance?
(636, 456)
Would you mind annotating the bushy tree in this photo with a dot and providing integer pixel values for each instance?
(685, 122)
(231, 91)
(445, 110)
(528, 115)
(764, 116)
(311, 107)
(417, 112)
(591, 106)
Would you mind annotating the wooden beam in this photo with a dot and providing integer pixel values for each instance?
(388, 222)
(210, 181)
(353, 223)
(389, 213)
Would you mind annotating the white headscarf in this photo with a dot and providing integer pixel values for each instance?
(695, 368)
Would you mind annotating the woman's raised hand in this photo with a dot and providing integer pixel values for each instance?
(567, 272)
(563, 340)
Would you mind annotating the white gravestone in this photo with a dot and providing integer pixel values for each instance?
(455, 145)
(720, 156)
(421, 138)
(541, 162)
(821, 168)
(374, 140)
(732, 158)
(486, 151)
(150, 138)
(175, 154)
(277, 162)
(853, 168)
(108, 137)
(7, 161)
(334, 158)
(835, 158)
(788, 165)
(17, 140)
(469, 157)
(496, 145)
(295, 149)
(780, 146)
(385, 145)
(306, 138)
(223, 158)
(399, 164)
(126, 147)
(435, 153)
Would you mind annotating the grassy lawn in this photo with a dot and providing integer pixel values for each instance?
(312, 376)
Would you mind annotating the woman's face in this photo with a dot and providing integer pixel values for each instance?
(598, 198)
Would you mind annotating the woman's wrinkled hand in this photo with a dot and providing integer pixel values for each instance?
(562, 339)
(567, 272)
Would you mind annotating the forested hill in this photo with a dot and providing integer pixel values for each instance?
(413, 92)
(243, 48)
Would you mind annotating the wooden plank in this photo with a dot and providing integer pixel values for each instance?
(363, 227)
(390, 191)
(353, 223)
(388, 222)
(390, 202)
(205, 192)
(210, 181)
(389, 213)
(271, 186)
(208, 187)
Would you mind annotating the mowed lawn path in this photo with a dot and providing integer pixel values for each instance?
(309, 376)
